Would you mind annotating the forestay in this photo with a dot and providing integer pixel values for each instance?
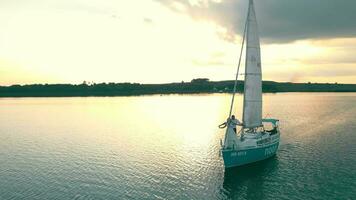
(252, 110)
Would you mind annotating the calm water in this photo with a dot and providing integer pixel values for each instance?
(167, 147)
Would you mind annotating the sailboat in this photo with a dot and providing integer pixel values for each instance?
(257, 139)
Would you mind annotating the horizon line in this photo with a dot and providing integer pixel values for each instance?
(89, 83)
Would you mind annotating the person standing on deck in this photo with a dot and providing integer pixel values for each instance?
(233, 122)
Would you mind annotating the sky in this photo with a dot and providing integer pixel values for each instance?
(160, 41)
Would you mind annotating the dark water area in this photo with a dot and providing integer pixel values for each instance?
(167, 147)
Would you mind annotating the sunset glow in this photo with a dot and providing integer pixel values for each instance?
(70, 41)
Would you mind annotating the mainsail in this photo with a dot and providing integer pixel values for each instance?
(252, 110)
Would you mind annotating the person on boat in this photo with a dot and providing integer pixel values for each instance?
(233, 122)
(273, 130)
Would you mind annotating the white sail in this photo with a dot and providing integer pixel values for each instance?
(252, 110)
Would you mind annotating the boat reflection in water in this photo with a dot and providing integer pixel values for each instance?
(249, 181)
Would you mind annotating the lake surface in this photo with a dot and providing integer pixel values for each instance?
(167, 147)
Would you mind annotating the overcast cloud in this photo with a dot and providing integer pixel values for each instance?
(279, 20)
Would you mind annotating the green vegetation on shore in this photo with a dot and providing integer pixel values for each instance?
(128, 89)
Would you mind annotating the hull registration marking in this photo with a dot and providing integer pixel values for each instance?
(270, 150)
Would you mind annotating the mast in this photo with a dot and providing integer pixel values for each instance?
(252, 107)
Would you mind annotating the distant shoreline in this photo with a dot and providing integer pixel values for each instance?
(196, 86)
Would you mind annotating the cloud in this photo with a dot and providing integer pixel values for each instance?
(280, 21)
(74, 40)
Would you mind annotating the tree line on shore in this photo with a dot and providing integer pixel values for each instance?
(200, 85)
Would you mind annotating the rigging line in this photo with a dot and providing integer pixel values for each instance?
(238, 69)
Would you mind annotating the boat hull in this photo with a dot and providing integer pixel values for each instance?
(235, 158)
